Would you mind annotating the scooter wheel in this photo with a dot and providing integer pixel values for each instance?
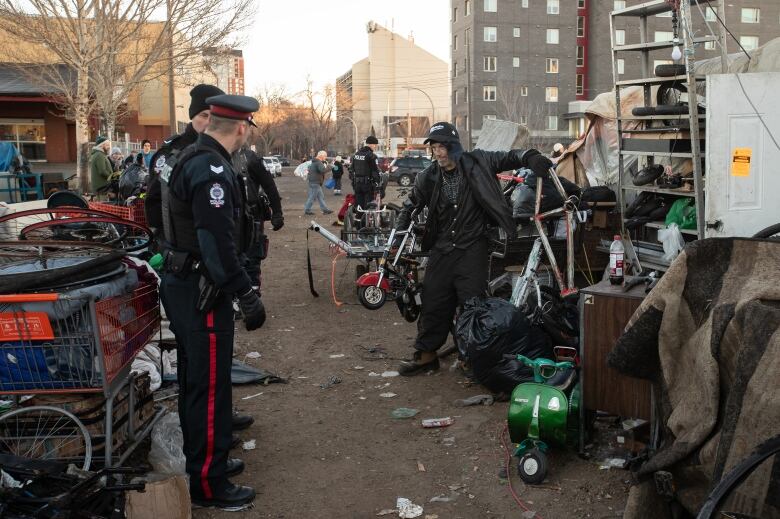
(372, 297)
(532, 467)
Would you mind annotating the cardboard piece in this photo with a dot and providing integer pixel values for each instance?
(166, 499)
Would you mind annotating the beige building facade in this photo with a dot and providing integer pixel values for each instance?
(395, 93)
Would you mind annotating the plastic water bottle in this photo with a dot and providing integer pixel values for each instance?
(617, 258)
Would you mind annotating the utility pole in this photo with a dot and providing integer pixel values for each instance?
(469, 93)
(171, 90)
(387, 127)
(724, 53)
(408, 118)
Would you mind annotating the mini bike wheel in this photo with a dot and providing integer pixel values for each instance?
(372, 297)
(532, 467)
(45, 432)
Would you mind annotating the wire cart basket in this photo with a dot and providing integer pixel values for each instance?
(134, 212)
(55, 344)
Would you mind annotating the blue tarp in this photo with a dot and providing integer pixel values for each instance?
(8, 153)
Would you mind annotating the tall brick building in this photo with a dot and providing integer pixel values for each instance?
(526, 60)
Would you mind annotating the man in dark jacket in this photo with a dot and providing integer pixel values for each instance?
(199, 120)
(463, 197)
(364, 173)
(316, 176)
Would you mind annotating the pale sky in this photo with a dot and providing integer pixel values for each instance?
(324, 38)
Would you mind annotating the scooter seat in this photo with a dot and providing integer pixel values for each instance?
(563, 379)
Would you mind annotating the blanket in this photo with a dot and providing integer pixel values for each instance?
(708, 338)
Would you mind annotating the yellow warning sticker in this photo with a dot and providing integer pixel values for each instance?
(740, 162)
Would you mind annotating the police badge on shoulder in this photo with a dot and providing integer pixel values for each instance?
(216, 196)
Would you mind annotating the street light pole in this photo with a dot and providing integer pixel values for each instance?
(356, 130)
(433, 110)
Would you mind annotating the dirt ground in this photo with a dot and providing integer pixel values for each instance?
(337, 452)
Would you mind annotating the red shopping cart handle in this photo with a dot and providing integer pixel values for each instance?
(509, 177)
(28, 298)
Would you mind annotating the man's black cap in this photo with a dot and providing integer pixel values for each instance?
(198, 96)
(371, 140)
(442, 132)
(234, 107)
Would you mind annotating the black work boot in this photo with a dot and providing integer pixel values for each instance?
(235, 441)
(241, 421)
(234, 467)
(232, 498)
(422, 361)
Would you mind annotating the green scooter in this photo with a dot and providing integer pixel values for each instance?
(544, 412)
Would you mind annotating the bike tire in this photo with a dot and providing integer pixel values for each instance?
(769, 233)
(128, 236)
(667, 70)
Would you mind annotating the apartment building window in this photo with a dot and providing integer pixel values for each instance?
(489, 93)
(580, 26)
(554, 7)
(454, 69)
(551, 94)
(457, 97)
(552, 36)
(750, 14)
(749, 42)
(711, 13)
(467, 8)
(551, 66)
(466, 122)
(488, 117)
(617, 5)
(621, 66)
(490, 34)
(28, 135)
(491, 6)
(455, 42)
(580, 84)
(516, 32)
(523, 119)
(580, 4)
(552, 122)
(454, 14)
(524, 91)
(620, 37)
(663, 36)
(580, 56)
(515, 61)
(489, 63)
(709, 45)
(524, 4)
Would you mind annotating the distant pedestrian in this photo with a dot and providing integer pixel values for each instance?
(100, 167)
(117, 160)
(146, 153)
(338, 171)
(316, 178)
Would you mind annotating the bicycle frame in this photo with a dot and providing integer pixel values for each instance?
(409, 237)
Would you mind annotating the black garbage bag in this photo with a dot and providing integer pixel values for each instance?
(132, 182)
(489, 332)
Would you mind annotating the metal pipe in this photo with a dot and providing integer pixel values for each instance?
(335, 240)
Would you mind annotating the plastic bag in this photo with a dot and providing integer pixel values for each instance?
(523, 201)
(682, 213)
(166, 455)
(330, 183)
(672, 240)
(487, 330)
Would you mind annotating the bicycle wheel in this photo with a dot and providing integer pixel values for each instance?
(46, 432)
(120, 234)
(770, 233)
(11, 224)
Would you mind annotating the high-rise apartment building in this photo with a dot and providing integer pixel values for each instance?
(228, 67)
(526, 60)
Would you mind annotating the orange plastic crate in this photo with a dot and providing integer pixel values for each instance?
(134, 213)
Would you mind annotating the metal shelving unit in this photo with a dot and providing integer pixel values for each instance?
(693, 118)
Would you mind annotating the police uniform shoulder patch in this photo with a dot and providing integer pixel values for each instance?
(159, 163)
(216, 195)
(217, 169)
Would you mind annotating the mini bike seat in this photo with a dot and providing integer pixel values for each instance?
(563, 379)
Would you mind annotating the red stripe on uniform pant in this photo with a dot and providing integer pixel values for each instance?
(204, 472)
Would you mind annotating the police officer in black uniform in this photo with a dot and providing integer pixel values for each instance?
(199, 120)
(263, 204)
(364, 173)
(205, 232)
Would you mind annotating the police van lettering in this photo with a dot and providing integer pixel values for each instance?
(217, 169)
(217, 196)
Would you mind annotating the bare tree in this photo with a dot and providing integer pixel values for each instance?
(109, 48)
(274, 107)
(517, 108)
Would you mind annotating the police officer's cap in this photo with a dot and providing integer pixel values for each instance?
(442, 132)
(371, 140)
(234, 107)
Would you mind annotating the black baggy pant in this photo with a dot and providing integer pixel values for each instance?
(205, 349)
(450, 279)
(364, 194)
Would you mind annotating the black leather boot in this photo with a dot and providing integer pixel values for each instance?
(421, 362)
(232, 498)
(241, 421)
(234, 467)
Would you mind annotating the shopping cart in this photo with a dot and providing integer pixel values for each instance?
(55, 344)
(134, 212)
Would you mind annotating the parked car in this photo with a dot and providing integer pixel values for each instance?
(273, 166)
(283, 160)
(404, 170)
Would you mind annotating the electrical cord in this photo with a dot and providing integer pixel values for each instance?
(507, 462)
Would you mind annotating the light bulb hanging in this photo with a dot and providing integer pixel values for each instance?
(676, 52)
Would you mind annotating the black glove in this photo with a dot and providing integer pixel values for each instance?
(252, 307)
(277, 221)
(539, 164)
